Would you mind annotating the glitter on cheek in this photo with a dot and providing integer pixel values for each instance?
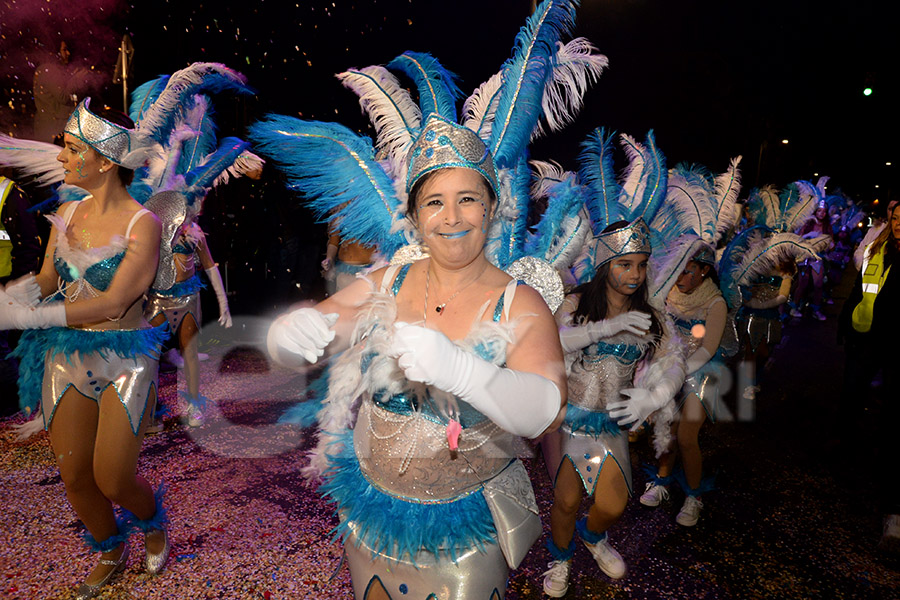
(80, 165)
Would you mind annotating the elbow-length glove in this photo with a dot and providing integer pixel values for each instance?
(521, 403)
(215, 278)
(580, 336)
(14, 315)
(300, 336)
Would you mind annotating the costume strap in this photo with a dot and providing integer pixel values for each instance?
(134, 220)
(70, 212)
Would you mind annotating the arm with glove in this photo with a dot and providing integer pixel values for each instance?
(211, 268)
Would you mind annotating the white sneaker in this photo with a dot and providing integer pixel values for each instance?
(890, 538)
(654, 494)
(609, 561)
(690, 512)
(556, 578)
(795, 313)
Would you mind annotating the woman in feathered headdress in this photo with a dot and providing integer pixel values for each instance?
(96, 357)
(812, 273)
(93, 371)
(607, 327)
(697, 214)
(186, 165)
(452, 359)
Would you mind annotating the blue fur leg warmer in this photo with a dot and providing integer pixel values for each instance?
(159, 518)
(653, 475)
(707, 484)
(560, 553)
(586, 534)
(113, 541)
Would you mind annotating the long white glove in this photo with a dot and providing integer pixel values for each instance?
(521, 403)
(581, 336)
(14, 315)
(696, 360)
(215, 278)
(643, 402)
(300, 336)
(25, 290)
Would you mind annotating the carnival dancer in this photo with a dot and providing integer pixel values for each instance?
(185, 166)
(97, 359)
(700, 211)
(812, 272)
(607, 327)
(452, 359)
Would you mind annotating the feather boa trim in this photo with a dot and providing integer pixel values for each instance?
(589, 537)
(182, 288)
(159, 519)
(35, 343)
(707, 484)
(388, 524)
(113, 541)
(665, 372)
(590, 422)
(558, 553)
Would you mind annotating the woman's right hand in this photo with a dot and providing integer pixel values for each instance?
(25, 290)
(303, 333)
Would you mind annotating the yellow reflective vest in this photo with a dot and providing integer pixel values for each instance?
(6, 186)
(873, 276)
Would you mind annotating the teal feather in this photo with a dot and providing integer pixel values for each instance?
(335, 169)
(438, 88)
(525, 76)
(597, 173)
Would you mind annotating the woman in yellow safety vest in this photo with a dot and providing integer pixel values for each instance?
(870, 326)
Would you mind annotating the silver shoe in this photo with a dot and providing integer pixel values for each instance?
(90, 590)
(154, 563)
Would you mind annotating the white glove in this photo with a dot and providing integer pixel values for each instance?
(581, 336)
(14, 315)
(25, 290)
(327, 264)
(521, 403)
(215, 278)
(696, 360)
(641, 404)
(300, 336)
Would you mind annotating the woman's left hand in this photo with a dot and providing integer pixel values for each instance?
(429, 357)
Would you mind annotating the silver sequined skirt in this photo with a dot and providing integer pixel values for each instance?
(175, 308)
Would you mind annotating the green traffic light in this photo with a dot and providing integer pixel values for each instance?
(867, 92)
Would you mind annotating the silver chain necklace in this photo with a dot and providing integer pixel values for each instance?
(439, 309)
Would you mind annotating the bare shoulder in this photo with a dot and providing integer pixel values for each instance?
(528, 301)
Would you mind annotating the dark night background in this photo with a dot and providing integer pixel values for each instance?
(712, 79)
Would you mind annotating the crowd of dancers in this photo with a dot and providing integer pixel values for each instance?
(479, 299)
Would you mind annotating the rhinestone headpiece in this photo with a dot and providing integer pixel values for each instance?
(634, 239)
(110, 140)
(705, 255)
(444, 144)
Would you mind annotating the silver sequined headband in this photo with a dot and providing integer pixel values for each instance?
(110, 140)
(444, 144)
(634, 239)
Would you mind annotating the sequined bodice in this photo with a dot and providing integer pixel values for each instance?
(99, 275)
(604, 368)
(764, 288)
(400, 434)
(684, 326)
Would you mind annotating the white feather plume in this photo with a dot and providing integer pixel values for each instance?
(797, 212)
(246, 162)
(727, 189)
(479, 108)
(771, 205)
(577, 67)
(546, 175)
(766, 252)
(632, 176)
(391, 109)
(32, 158)
(688, 208)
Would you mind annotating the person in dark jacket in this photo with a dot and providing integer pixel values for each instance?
(870, 328)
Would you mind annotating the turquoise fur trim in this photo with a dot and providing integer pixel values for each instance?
(560, 553)
(707, 484)
(159, 519)
(112, 542)
(586, 534)
(35, 343)
(653, 475)
(590, 422)
(182, 288)
(398, 527)
(305, 413)
(199, 402)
